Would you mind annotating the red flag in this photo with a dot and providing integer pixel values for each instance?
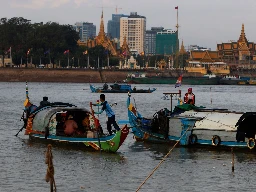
(124, 53)
(176, 7)
(67, 51)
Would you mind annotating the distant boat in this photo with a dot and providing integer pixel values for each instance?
(233, 80)
(178, 82)
(119, 88)
(186, 80)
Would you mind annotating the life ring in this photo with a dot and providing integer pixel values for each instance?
(216, 140)
(251, 143)
(192, 139)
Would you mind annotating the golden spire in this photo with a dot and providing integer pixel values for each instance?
(101, 34)
(182, 48)
(242, 38)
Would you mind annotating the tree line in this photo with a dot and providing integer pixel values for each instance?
(45, 43)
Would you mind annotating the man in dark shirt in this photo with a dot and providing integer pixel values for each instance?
(45, 102)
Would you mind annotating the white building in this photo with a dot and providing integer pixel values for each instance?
(133, 28)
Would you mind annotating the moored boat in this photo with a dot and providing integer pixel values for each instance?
(49, 124)
(233, 80)
(119, 88)
(186, 80)
(190, 125)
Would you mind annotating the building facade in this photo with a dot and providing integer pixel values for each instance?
(113, 28)
(151, 40)
(240, 51)
(86, 30)
(167, 42)
(133, 28)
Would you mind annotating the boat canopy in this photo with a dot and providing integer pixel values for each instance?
(43, 117)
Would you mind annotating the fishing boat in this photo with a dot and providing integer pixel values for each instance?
(48, 124)
(190, 126)
(119, 88)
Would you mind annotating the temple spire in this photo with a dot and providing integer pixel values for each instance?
(242, 38)
(182, 48)
(101, 32)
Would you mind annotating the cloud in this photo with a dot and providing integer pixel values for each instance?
(38, 4)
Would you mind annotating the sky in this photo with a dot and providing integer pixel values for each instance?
(202, 22)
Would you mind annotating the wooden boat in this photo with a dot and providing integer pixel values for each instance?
(191, 125)
(47, 124)
(120, 88)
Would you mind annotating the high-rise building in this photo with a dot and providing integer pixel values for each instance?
(151, 40)
(133, 28)
(114, 26)
(86, 30)
(167, 42)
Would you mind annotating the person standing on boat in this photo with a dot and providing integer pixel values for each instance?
(110, 114)
(189, 97)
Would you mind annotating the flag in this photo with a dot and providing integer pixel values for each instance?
(124, 53)
(46, 52)
(178, 82)
(67, 51)
(9, 50)
(28, 51)
(176, 7)
(85, 52)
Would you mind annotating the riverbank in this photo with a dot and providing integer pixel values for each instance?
(88, 75)
(73, 75)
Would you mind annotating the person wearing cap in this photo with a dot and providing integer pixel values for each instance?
(189, 97)
(110, 114)
(45, 102)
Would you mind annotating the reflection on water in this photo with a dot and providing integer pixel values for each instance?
(185, 169)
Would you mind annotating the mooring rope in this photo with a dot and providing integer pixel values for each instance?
(50, 169)
(152, 172)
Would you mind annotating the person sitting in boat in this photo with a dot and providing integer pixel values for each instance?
(105, 86)
(189, 97)
(110, 114)
(70, 126)
(45, 102)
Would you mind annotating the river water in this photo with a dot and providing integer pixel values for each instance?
(23, 165)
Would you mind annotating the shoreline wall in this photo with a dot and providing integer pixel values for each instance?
(85, 75)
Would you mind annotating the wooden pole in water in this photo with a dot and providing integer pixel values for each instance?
(233, 160)
(50, 169)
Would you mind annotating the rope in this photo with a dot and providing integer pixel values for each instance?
(152, 172)
(50, 169)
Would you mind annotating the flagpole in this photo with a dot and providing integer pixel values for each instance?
(98, 62)
(68, 59)
(11, 55)
(108, 61)
(88, 62)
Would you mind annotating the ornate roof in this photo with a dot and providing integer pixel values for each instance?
(204, 56)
